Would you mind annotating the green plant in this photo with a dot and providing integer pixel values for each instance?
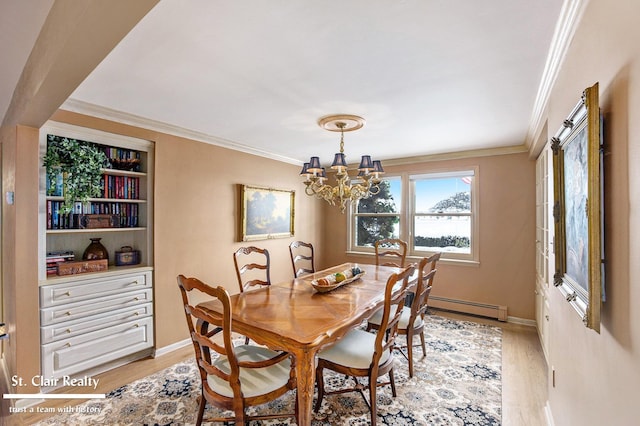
(78, 164)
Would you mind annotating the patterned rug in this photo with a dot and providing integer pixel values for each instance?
(458, 383)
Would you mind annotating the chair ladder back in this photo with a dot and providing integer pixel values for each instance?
(302, 258)
(423, 289)
(393, 248)
(393, 304)
(252, 264)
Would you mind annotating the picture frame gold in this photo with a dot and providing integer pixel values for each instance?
(578, 211)
(266, 213)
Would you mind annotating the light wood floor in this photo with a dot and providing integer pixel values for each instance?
(524, 377)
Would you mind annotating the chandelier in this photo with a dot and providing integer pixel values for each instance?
(344, 191)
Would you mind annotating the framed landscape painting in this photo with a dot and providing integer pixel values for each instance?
(266, 213)
(578, 213)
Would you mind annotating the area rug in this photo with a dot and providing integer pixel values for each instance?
(458, 383)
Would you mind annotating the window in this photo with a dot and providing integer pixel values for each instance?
(442, 214)
(379, 215)
(436, 214)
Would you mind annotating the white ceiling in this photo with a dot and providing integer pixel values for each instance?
(428, 76)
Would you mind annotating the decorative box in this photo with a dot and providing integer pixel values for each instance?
(82, 267)
(127, 256)
(92, 221)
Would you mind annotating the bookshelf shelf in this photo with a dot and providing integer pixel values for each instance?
(95, 230)
(115, 172)
(104, 200)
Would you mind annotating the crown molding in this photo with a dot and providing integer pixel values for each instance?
(81, 107)
(457, 155)
(570, 16)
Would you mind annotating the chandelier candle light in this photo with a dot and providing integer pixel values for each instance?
(344, 191)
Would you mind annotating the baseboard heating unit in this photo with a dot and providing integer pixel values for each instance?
(464, 306)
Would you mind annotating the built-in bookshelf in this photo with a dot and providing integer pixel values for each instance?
(127, 199)
(97, 314)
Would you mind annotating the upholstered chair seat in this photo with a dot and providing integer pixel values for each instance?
(405, 317)
(355, 350)
(255, 381)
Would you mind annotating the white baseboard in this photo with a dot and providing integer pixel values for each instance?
(522, 321)
(173, 347)
(468, 307)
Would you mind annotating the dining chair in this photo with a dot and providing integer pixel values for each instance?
(363, 354)
(412, 319)
(232, 377)
(391, 252)
(252, 267)
(301, 258)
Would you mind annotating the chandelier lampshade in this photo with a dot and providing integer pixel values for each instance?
(344, 191)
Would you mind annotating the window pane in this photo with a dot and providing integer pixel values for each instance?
(379, 220)
(372, 228)
(388, 200)
(449, 194)
(450, 234)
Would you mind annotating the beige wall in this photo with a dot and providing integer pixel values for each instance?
(506, 272)
(597, 375)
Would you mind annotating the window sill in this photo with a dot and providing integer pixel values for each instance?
(412, 259)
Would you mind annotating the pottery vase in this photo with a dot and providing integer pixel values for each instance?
(95, 250)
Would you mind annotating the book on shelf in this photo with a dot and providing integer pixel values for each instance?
(121, 187)
(126, 214)
(65, 254)
(123, 159)
(55, 258)
(56, 188)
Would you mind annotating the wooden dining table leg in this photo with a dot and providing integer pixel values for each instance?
(305, 379)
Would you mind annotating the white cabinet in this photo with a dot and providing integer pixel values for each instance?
(88, 322)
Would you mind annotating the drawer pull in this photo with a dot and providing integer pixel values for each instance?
(68, 313)
(68, 330)
(136, 325)
(136, 282)
(68, 293)
(136, 298)
(67, 345)
(136, 313)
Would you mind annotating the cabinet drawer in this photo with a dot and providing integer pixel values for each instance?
(57, 294)
(86, 325)
(88, 350)
(106, 305)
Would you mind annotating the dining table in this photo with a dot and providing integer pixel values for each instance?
(295, 317)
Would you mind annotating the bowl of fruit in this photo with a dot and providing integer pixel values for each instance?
(338, 279)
